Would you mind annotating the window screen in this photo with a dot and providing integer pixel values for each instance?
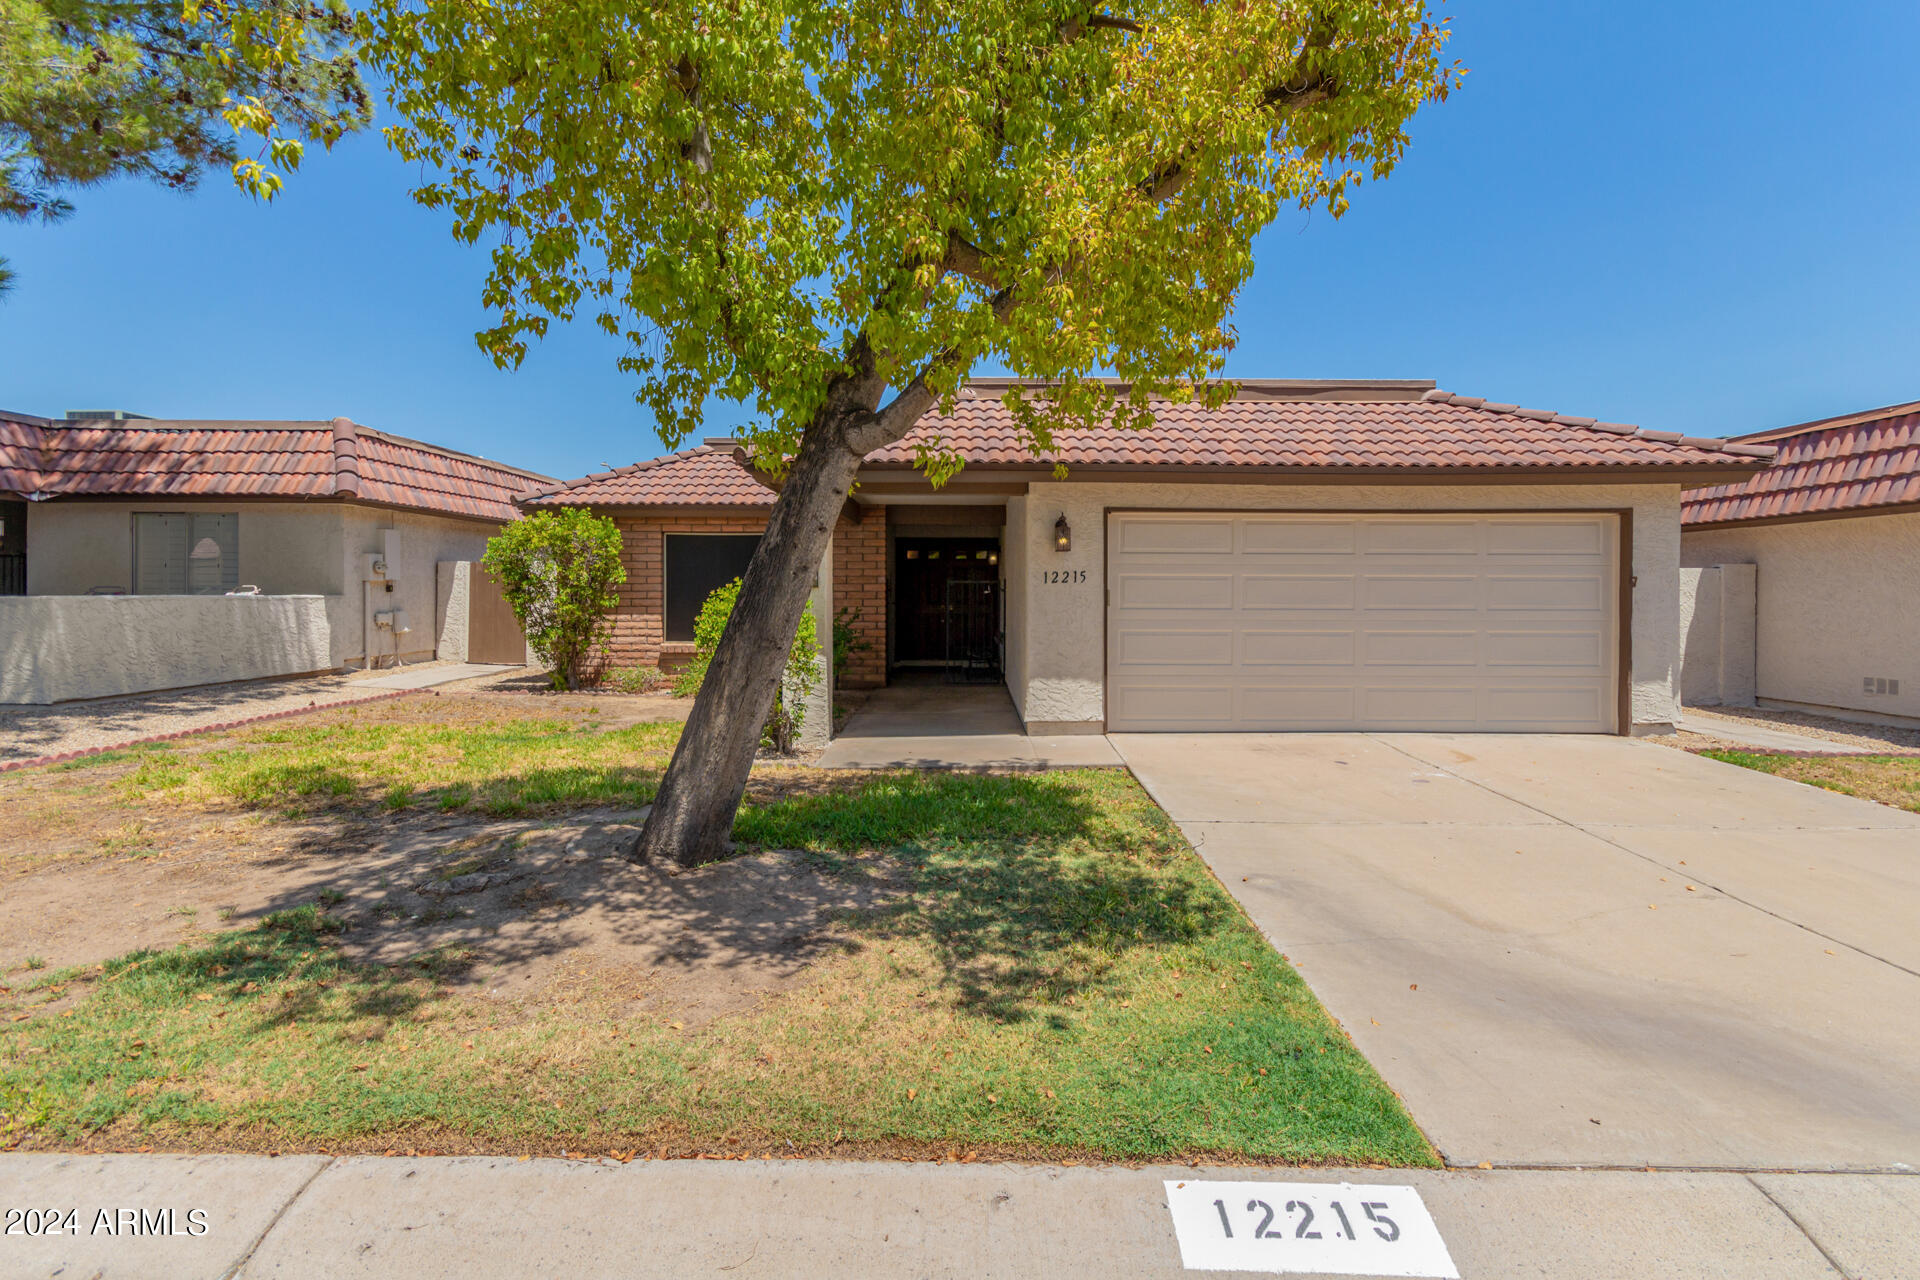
(697, 564)
(177, 554)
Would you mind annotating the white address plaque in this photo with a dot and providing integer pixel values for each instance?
(1322, 1228)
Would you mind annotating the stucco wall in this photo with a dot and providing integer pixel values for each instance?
(286, 548)
(1013, 572)
(423, 541)
(1838, 602)
(1716, 636)
(1066, 625)
(453, 594)
(54, 648)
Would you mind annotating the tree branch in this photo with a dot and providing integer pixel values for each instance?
(966, 258)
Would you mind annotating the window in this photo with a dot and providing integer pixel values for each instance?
(698, 564)
(176, 554)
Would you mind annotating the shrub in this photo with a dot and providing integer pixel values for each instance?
(560, 571)
(846, 640)
(801, 676)
(636, 679)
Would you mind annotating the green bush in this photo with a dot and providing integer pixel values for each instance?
(560, 570)
(636, 679)
(800, 678)
(846, 640)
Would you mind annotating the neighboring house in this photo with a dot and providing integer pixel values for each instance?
(138, 544)
(1313, 555)
(1833, 534)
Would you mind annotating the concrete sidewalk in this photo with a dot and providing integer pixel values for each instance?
(1761, 738)
(923, 723)
(751, 1220)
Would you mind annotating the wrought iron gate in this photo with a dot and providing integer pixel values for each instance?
(973, 632)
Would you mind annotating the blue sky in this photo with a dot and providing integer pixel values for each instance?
(1702, 217)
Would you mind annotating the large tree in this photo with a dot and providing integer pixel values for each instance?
(833, 209)
(164, 90)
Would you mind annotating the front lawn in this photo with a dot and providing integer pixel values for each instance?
(1032, 966)
(1889, 780)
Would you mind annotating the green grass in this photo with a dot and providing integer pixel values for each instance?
(1889, 780)
(1062, 976)
(501, 766)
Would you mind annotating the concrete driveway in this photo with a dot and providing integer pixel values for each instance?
(1582, 950)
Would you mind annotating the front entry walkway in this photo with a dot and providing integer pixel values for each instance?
(1582, 950)
(920, 722)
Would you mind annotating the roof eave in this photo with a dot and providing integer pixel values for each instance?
(1802, 517)
(1693, 475)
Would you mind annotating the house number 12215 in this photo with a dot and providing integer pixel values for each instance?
(1063, 575)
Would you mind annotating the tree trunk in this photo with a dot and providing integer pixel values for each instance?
(692, 818)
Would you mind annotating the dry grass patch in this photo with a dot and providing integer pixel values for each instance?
(918, 964)
(1888, 780)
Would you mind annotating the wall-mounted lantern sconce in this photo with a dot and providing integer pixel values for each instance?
(1062, 535)
(993, 557)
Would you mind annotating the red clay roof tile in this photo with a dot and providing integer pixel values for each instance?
(1853, 463)
(1438, 430)
(262, 460)
(1392, 434)
(707, 475)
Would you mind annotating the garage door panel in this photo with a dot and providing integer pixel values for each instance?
(1583, 650)
(1579, 592)
(1175, 591)
(1297, 537)
(1296, 648)
(1297, 591)
(1144, 647)
(1422, 649)
(1421, 537)
(1570, 706)
(1457, 622)
(1396, 706)
(1175, 705)
(1453, 592)
(1547, 538)
(1177, 537)
(1301, 706)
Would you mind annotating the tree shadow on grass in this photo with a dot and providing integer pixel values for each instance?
(1031, 889)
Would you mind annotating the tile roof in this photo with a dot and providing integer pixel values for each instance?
(1437, 431)
(709, 475)
(1289, 427)
(284, 460)
(1858, 462)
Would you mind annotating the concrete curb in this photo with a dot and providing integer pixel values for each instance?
(37, 761)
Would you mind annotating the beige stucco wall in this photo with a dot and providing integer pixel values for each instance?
(1716, 635)
(1838, 601)
(54, 648)
(423, 541)
(453, 593)
(286, 548)
(1013, 573)
(1064, 651)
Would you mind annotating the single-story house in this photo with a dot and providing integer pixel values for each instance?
(1832, 532)
(146, 554)
(1312, 555)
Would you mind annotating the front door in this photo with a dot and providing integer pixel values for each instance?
(922, 568)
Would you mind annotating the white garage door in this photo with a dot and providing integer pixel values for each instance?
(1276, 622)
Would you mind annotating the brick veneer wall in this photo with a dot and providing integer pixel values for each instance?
(860, 582)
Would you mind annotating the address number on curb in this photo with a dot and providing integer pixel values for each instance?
(1320, 1228)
